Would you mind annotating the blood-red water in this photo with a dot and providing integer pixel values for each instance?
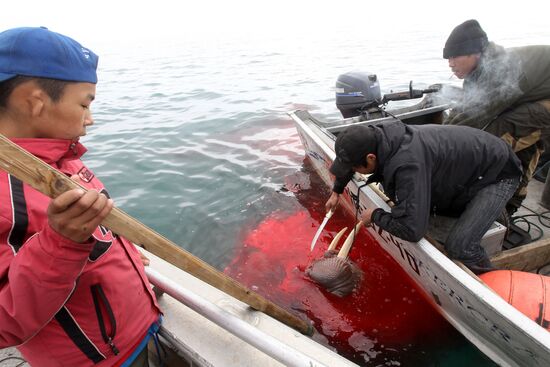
(385, 319)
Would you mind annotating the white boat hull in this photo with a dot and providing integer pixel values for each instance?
(499, 330)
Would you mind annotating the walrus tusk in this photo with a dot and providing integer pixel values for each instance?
(344, 251)
(336, 239)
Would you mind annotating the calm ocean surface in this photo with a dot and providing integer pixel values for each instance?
(193, 138)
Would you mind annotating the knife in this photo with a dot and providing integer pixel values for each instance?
(327, 217)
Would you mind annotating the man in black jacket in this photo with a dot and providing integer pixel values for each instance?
(449, 170)
(506, 93)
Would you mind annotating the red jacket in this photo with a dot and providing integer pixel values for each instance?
(61, 302)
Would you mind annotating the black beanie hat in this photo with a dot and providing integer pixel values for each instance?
(466, 39)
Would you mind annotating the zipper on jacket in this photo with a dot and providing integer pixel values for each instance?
(72, 147)
(100, 299)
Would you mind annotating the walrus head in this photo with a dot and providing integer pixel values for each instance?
(335, 271)
(339, 276)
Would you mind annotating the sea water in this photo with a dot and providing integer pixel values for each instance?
(193, 139)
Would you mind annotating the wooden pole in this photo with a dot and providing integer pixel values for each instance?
(528, 257)
(44, 178)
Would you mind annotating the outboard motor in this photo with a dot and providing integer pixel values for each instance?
(357, 92)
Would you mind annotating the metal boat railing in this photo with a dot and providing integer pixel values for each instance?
(241, 329)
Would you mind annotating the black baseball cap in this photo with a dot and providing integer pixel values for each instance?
(351, 147)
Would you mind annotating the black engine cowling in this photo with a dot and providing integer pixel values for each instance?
(357, 92)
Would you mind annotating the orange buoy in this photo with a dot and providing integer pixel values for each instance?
(525, 291)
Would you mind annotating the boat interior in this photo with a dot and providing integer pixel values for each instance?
(525, 243)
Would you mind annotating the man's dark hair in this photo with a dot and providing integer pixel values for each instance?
(52, 87)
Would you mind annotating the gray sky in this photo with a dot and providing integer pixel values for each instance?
(93, 22)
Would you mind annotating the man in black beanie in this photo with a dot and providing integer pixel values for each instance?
(464, 46)
(505, 92)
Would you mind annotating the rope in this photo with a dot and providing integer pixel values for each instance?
(357, 211)
(543, 220)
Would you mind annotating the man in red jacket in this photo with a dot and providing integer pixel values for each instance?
(72, 293)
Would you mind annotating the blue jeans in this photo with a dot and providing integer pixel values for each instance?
(464, 240)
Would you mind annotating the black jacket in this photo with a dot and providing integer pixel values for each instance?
(433, 167)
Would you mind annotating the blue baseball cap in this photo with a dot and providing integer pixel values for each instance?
(39, 52)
